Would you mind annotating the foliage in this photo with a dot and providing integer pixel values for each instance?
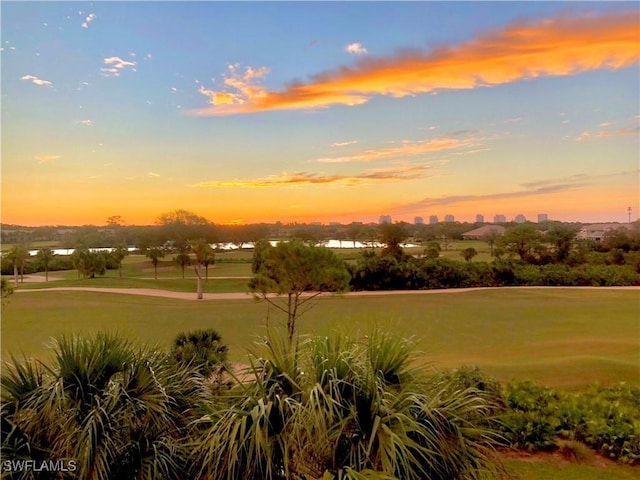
(183, 260)
(118, 254)
(521, 240)
(297, 273)
(89, 263)
(606, 419)
(18, 256)
(204, 257)
(45, 256)
(468, 253)
(331, 407)
(392, 235)
(5, 289)
(201, 349)
(372, 272)
(432, 250)
(155, 254)
(118, 410)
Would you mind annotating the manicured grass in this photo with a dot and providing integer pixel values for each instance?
(559, 337)
(188, 284)
(540, 470)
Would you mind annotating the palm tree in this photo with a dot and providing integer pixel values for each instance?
(183, 260)
(18, 256)
(118, 254)
(45, 256)
(155, 254)
(204, 254)
(333, 408)
(119, 410)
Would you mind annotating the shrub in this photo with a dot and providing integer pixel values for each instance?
(202, 349)
(334, 408)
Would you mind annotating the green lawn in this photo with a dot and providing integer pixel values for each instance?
(559, 337)
(540, 470)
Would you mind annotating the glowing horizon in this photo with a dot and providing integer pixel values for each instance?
(309, 113)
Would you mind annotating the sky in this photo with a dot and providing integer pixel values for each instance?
(253, 112)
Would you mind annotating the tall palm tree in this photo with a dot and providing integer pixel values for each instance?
(204, 254)
(155, 254)
(18, 256)
(183, 260)
(119, 410)
(45, 256)
(118, 254)
(333, 408)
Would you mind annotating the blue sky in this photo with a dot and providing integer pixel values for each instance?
(305, 111)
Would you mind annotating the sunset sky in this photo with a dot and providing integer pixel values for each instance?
(301, 112)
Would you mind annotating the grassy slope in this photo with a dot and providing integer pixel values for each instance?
(560, 337)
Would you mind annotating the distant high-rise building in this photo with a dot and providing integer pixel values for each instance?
(542, 217)
(418, 220)
(520, 218)
(499, 219)
(449, 218)
(479, 218)
(384, 219)
(433, 219)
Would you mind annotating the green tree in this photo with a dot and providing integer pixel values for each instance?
(468, 253)
(432, 250)
(354, 232)
(45, 257)
(18, 256)
(183, 260)
(521, 240)
(118, 254)
(392, 235)
(490, 238)
(88, 263)
(155, 254)
(562, 237)
(296, 273)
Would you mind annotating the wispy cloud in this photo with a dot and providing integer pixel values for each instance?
(558, 46)
(406, 148)
(90, 18)
(115, 65)
(88, 122)
(37, 81)
(530, 189)
(586, 135)
(152, 174)
(46, 158)
(356, 49)
(305, 178)
(344, 144)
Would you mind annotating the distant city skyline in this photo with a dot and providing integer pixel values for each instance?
(250, 112)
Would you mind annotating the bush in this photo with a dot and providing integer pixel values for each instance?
(606, 419)
(201, 349)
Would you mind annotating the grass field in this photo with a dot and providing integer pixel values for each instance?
(550, 470)
(560, 337)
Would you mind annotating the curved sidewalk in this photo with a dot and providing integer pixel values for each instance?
(151, 292)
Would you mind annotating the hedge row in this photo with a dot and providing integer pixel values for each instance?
(389, 273)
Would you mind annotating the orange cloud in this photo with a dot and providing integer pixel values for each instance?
(305, 178)
(552, 47)
(406, 148)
